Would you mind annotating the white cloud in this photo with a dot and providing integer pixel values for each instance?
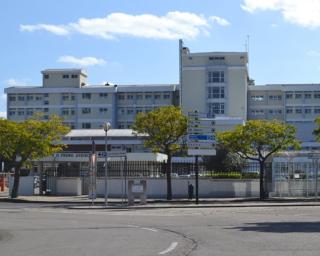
(301, 12)
(172, 25)
(15, 82)
(84, 62)
(57, 30)
(274, 25)
(313, 53)
(3, 114)
(219, 20)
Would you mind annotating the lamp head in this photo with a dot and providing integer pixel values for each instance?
(106, 126)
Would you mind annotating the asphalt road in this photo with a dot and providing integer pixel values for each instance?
(41, 230)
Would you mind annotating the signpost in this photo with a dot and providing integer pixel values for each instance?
(201, 140)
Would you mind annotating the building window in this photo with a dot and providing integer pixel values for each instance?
(46, 110)
(29, 97)
(65, 76)
(121, 126)
(38, 98)
(103, 110)
(65, 112)
(121, 111)
(307, 95)
(12, 112)
(103, 95)
(257, 97)
(157, 96)
(298, 111)
(215, 92)
(20, 112)
(21, 98)
(86, 96)
(72, 97)
(129, 111)
(148, 96)
(298, 95)
(275, 111)
(46, 95)
(74, 76)
(65, 97)
(29, 112)
(316, 95)
(12, 98)
(216, 57)
(317, 110)
(257, 112)
(121, 96)
(274, 97)
(46, 76)
(139, 97)
(307, 110)
(215, 108)
(139, 110)
(86, 125)
(86, 110)
(215, 76)
(46, 102)
(166, 96)
(289, 96)
(289, 110)
(130, 97)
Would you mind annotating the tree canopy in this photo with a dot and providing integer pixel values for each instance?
(165, 126)
(316, 132)
(21, 142)
(257, 140)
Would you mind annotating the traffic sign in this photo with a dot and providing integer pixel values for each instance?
(198, 137)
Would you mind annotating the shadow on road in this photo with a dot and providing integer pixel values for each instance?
(281, 227)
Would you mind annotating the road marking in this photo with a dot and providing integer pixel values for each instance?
(150, 229)
(169, 249)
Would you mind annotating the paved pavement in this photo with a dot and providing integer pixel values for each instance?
(47, 229)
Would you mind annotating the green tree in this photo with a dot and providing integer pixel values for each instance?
(257, 140)
(316, 132)
(25, 141)
(165, 126)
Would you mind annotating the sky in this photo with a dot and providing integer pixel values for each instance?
(136, 41)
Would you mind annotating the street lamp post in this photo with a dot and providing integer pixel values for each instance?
(106, 128)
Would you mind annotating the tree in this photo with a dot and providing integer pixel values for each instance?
(165, 126)
(316, 132)
(257, 140)
(28, 140)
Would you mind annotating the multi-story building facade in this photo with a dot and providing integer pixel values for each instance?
(65, 93)
(215, 83)
(296, 104)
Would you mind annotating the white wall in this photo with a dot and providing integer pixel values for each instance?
(68, 186)
(157, 188)
(25, 185)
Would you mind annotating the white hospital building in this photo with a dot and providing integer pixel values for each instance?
(215, 83)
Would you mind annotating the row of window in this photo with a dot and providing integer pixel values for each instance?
(215, 109)
(140, 96)
(216, 77)
(64, 76)
(305, 110)
(215, 92)
(28, 97)
(257, 112)
(130, 111)
(299, 95)
(261, 97)
(288, 111)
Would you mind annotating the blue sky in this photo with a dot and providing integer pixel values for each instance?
(136, 41)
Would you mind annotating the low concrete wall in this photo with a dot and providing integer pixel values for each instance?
(157, 188)
(68, 186)
(25, 185)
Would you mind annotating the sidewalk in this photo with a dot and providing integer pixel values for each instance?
(83, 202)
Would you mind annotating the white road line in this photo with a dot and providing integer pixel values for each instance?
(133, 226)
(150, 229)
(169, 249)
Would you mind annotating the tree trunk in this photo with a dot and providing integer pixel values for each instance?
(262, 192)
(168, 172)
(15, 188)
